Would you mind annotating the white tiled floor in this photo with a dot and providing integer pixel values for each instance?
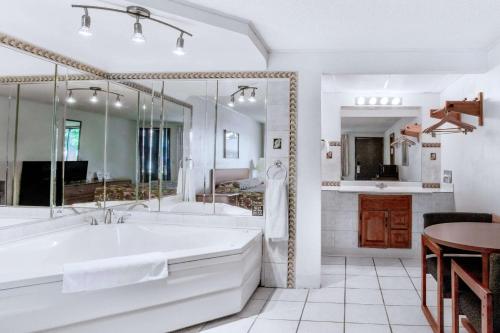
(358, 295)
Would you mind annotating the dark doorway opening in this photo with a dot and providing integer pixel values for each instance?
(369, 155)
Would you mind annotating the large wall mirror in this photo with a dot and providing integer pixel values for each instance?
(74, 142)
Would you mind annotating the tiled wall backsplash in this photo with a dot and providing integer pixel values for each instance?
(339, 222)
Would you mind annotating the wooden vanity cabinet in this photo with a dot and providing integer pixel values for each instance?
(385, 221)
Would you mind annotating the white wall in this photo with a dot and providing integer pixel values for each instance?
(475, 158)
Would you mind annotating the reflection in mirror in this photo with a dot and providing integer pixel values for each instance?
(374, 147)
(239, 177)
(26, 113)
(182, 149)
(81, 132)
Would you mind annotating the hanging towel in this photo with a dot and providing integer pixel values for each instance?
(114, 272)
(180, 180)
(277, 210)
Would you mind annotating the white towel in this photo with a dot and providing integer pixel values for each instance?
(189, 186)
(276, 210)
(114, 272)
(180, 181)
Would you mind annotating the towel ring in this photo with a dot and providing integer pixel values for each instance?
(277, 164)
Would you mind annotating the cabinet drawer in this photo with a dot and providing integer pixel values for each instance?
(400, 239)
(385, 202)
(400, 219)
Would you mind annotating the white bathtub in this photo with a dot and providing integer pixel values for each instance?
(213, 272)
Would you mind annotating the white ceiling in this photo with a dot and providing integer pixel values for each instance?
(412, 83)
(53, 24)
(369, 24)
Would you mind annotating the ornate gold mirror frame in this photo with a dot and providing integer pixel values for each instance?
(94, 73)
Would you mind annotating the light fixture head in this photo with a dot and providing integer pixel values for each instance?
(360, 101)
(384, 100)
(118, 102)
(179, 46)
(372, 100)
(138, 37)
(94, 98)
(231, 101)
(252, 99)
(396, 101)
(144, 106)
(70, 99)
(241, 99)
(85, 26)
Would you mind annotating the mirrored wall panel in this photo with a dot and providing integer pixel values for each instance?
(26, 113)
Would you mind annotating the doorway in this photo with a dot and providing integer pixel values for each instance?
(369, 155)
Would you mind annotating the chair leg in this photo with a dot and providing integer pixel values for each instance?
(454, 302)
(424, 272)
(439, 296)
(436, 325)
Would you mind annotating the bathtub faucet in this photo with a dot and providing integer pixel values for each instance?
(108, 216)
(131, 207)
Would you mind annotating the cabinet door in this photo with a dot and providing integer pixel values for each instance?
(400, 219)
(373, 227)
(400, 239)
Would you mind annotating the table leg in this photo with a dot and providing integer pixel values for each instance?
(486, 269)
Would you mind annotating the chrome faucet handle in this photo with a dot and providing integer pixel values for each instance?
(122, 218)
(92, 219)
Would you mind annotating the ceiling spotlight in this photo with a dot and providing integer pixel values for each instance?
(241, 99)
(138, 37)
(118, 103)
(360, 101)
(70, 99)
(384, 100)
(396, 101)
(94, 98)
(179, 46)
(231, 101)
(372, 100)
(85, 27)
(252, 97)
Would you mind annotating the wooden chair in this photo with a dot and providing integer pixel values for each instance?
(436, 260)
(479, 304)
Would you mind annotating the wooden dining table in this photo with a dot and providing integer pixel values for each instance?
(483, 238)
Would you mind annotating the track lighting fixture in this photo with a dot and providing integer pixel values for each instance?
(85, 27)
(179, 47)
(252, 99)
(138, 37)
(70, 99)
(231, 101)
(94, 98)
(118, 102)
(241, 90)
(376, 101)
(139, 13)
(241, 99)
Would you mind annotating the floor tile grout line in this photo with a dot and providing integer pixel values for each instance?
(413, 284)
(263, 307)
(302, 313)
(345, 292)
(382, 295)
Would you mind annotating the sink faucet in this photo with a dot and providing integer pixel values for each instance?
(108, 216)
(380, 185)
(131, 207)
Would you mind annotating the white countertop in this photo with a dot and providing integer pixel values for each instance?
(392, 187)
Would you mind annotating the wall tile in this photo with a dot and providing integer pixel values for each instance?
(278, 92)
(278, 118)
(275, 275)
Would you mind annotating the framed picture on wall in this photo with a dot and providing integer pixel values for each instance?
(231, 144)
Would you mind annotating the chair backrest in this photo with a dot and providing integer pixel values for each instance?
(437, 218)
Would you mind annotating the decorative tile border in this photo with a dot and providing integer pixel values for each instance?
(26, 47)
(431, 145)
(431, 185)
(334, 143)
(330, 183)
